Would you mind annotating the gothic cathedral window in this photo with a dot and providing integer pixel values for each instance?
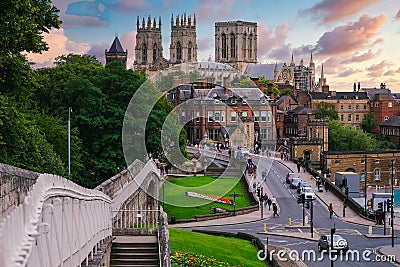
(178, 51)
(224, 48)
(233, 46)
(190, 51)
(154, 53)
(251, 46)
(144, 53)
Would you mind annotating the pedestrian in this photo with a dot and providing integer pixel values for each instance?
(269, 203)
(281, 155)
(298, 166)
(330, 209)
(326, 185)
(265, 201)
(275, 209)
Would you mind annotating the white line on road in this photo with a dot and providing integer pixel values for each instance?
(299, 230)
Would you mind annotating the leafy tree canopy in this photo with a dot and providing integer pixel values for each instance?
(326, 111)
(369, 123)
(264, 81)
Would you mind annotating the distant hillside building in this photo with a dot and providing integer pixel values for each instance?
(236, 43)
(116, 52)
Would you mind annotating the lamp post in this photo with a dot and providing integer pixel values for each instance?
(69, 141)
(365, 185)
(392, 199)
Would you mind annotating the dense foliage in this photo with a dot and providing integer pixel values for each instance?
(326, 111)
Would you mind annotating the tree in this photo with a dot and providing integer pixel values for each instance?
(344, 137)
(326, 111)
(23, 23)
(369, 123)
(265, 82)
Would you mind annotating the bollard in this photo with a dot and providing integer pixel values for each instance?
(290, 222)
(265, 227)
(370, 230)
(306, 219)
(391, 229)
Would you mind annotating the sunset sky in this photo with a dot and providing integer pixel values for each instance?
(356, 40)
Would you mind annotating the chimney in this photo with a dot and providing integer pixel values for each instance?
(359, 86)
(325, 88)
(270, 91)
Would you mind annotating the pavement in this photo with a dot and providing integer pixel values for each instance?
(324, 197)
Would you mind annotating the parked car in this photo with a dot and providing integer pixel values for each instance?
(295, 182)
(308, 192)
(290, 176)
(339, 243)
(301, 185)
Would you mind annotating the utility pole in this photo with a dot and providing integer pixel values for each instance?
(312, 219)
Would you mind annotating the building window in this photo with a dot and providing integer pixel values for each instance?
(223, 116)
(268, 133)
(263, 116)
(277, 117)
(256, 115)
(178, 51)
(263, 133)
(213, 134)
(183, 116)
(357, 107)
(144, 53)
(365, 106)
(390, 104)
(190, 51)
(269, 117)
(377, 104)
(342, 117)
(154, 53)
(216, 116)
(233, 116)
(386, 118)
(197, 134)
(224, 48)
(233, 46)
(357, 117)
(210, 116)
(349, 117)
(341, 107)
(377, 175)
(362, 175)
(197, 116)
(349, 107)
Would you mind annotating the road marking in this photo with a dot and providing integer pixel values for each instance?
(358, 232)
(299, 230)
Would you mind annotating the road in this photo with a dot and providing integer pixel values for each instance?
(289, 208)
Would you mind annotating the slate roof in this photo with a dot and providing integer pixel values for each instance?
(116, 47)
(339, 95)
(266, 70)
(392, 121)
(372, 92)
(244, 93)
(302, 111)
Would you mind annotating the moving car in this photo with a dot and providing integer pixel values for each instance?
(339, 243)
(290, 176)
(301, 185)
(308, 192)
(295, 182)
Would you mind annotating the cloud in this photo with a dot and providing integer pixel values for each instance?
(348, 72)
(59, 44)
(380, 66)
(130, 6)
(270, 39)
(356, 58)
(282, 53)
(214, 10)
(99, 52)
(128, 42)
(78, 21)
(331, 11)
(351, 37)
(205, 43)
(398, 15)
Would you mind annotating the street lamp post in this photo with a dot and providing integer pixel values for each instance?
(392, 204)
(365, 185)
(69, 141)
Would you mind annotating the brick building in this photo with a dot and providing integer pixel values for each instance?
(391, 128)
(295, 123)
(376, 163)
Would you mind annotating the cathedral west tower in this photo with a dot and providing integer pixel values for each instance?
(236, 43)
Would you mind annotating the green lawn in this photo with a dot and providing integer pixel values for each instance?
(235, 252)
(180, 206)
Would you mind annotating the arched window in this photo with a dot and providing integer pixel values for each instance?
(233, 46)
(178, 51)
(224, 48)
(251, 46)
(154, 53)
(144, 53)
(190, 51)
(377, 174)
(244, 45)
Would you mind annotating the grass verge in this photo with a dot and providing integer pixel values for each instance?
(229, 251)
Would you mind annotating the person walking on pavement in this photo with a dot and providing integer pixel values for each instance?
(330, 208)
(326, 185)
(298, 166)
(275, 209)
(269, 203)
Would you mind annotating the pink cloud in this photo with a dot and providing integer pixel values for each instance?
(270, 39)
(59, 44)
(212, 10)
(380, 66)
(281, 54)
(348, 72)
(351, 37)
(99, 52)
(128, 42)
(361, 58)
(331, 11)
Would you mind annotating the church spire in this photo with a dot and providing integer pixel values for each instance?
(322, 72)
(194, 20)
(311, 60)
(137, 23)
(172, 20)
